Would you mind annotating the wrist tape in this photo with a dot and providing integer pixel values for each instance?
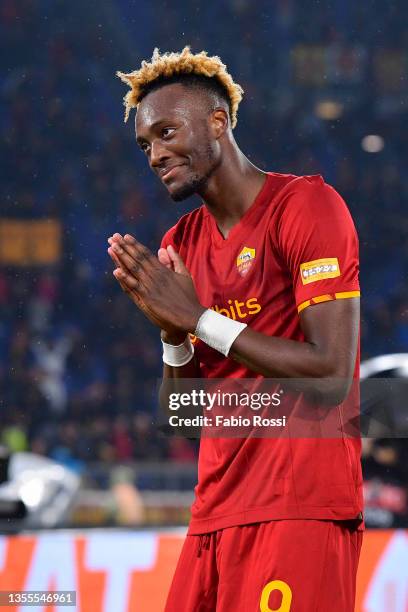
(218, 331)
(178, 355)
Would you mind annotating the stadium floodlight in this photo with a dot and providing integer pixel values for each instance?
(372, 143)
(329, 110)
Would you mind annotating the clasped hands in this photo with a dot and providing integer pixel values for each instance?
(160, 286)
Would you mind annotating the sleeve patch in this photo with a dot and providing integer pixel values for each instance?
(319, 269)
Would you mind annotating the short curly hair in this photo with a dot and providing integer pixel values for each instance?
(169, 67)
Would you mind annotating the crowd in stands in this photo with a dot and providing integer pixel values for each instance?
(78, 364)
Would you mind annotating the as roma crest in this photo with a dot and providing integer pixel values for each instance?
(245, 260)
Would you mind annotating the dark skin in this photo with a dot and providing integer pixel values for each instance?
(191, 140)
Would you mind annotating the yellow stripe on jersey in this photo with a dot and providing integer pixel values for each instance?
(322, 298)
(347, 294)
(327, 298)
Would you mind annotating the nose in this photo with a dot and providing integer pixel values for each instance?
(158, 154)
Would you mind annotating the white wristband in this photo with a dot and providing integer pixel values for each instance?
(179, 355)
(218, 331)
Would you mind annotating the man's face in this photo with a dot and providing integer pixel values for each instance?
(173, 130)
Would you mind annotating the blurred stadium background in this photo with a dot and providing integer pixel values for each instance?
(325, 92)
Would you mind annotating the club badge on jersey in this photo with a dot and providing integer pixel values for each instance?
(245, 260)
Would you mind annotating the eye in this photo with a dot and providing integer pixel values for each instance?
(145, 147)
(168, 131)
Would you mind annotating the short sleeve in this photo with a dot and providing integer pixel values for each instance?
(318, 241)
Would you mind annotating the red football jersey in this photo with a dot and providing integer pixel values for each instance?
(294, 247)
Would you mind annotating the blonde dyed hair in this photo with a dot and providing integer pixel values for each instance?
(168, 65)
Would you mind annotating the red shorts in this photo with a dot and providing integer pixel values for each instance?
(286, 565)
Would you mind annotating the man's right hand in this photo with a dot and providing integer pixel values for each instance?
(170, 259)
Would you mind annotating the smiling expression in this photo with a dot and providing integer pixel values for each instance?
(174, 130)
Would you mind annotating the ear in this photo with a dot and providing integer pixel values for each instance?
(219, 122)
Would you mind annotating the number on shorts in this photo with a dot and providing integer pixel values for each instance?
(276, 585)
